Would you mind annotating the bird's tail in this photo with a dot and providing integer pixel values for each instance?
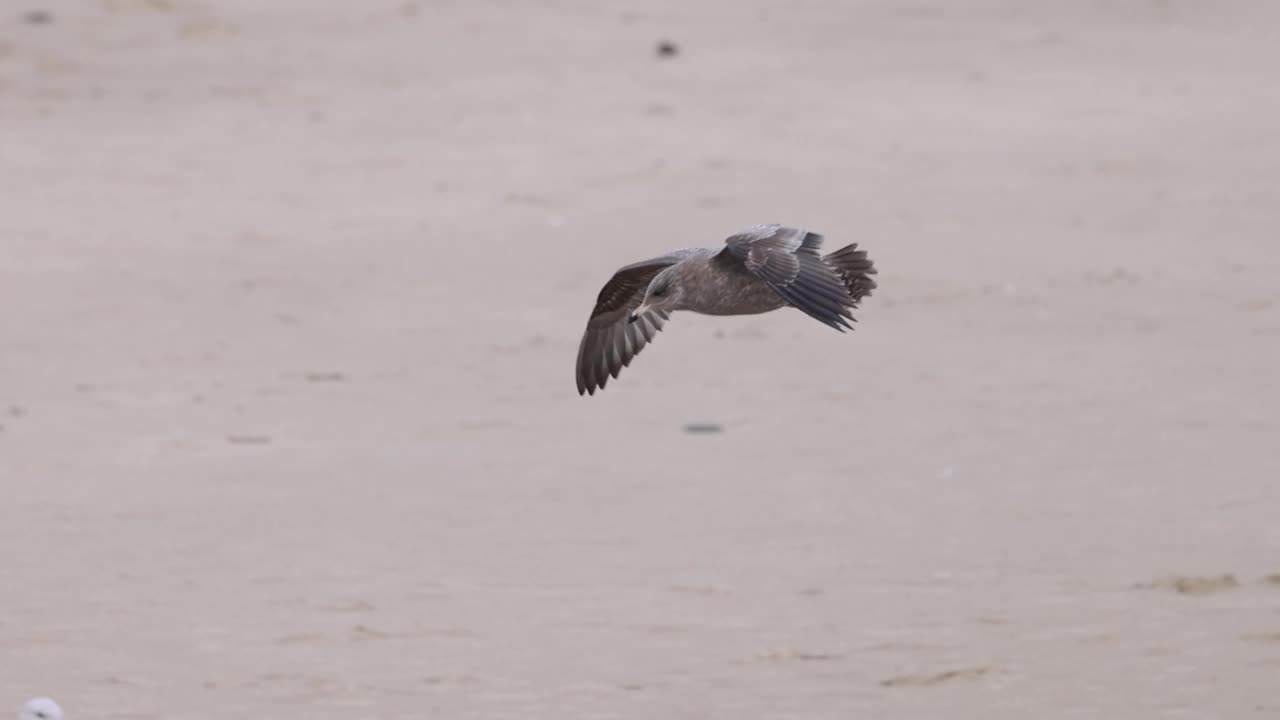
(855, 269)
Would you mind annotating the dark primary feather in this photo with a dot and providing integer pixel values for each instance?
(610, 342)
(787, 260)
(855, 269)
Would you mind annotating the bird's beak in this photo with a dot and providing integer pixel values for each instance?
(635, 314)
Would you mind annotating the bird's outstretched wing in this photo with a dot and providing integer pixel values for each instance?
(610, 341)
(787, 260)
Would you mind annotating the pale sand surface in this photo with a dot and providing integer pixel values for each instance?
(292, 292)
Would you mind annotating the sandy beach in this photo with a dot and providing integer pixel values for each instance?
(292, 292)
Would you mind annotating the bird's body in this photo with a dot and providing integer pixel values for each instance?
(764, 268)
(723, 287)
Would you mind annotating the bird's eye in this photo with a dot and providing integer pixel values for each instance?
(659, 292)
(41, 714)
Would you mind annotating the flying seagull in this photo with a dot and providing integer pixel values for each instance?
(760, 269)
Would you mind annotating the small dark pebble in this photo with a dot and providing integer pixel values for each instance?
(667, 49)
(249, 439)
(703, 428)
(37, 17)
(325, 376)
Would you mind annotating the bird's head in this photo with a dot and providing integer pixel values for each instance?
(41, 708)
(664, 294)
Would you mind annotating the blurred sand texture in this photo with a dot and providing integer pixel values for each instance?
(292, 292)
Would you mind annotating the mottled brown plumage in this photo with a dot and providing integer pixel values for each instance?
(761, 269)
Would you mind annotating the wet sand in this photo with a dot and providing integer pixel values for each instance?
(293, 290)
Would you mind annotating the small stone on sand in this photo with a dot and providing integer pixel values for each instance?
(1193, 585)
(249, 439)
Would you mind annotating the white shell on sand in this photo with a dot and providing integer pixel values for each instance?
(41, 708)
